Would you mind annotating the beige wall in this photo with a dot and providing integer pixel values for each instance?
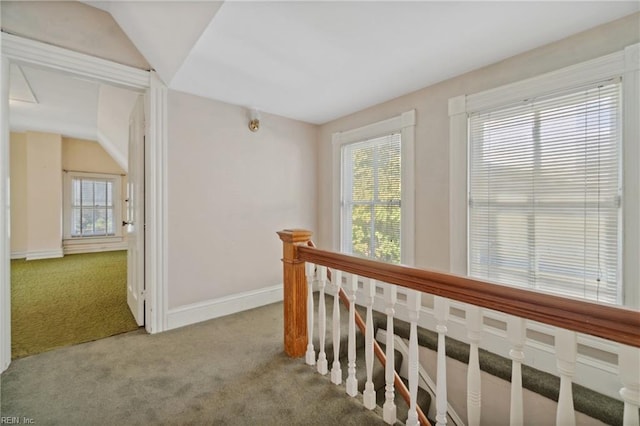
(37, 164)
(432, 129)
(87, 156)
(230, 190)
(44, 194)
(18, 165)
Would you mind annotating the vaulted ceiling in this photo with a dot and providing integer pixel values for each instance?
(309, 60)
(317, 61)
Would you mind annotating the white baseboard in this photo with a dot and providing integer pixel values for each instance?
(18, 254)
(210, 309)
(44, 254)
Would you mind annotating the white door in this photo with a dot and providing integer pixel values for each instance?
(134, 222)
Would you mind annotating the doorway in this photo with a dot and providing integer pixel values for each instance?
(69, 165)
(27, 52)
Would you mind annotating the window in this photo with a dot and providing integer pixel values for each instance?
(371, 198)
(92, 207)
(544, 208)
(374, 192)
(544, 181)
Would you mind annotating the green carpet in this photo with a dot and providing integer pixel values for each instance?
(66, 301)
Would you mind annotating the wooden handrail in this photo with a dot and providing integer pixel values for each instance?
(399, 384)
(610, 322)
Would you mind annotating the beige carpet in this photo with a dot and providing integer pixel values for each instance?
(66, 301)
(228, 371)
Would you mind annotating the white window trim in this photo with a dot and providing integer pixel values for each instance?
(405, 124)
(117, 207)
(625, 64)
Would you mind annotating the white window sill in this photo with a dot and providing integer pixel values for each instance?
(92, 240)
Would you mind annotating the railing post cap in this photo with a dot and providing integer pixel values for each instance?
(295, 235)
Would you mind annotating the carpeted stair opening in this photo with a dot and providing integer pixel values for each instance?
(596, 405)
(587, 401)
(378, 374)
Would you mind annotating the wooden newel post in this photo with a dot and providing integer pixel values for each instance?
(295, 292)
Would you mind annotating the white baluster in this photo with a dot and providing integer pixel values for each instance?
(629, 370)
(310, 356)
(369, 394)
(389, 408)
(516, 333)
(322, 320)
(414, 303)
(441, 311)
(352, 383)
(566, 343)
(336, 370)
(474, 331)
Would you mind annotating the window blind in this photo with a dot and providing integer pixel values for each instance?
(371, 190)
(544, 194)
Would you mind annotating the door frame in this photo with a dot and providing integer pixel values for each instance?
(24, 51)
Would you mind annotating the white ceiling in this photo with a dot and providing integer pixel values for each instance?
(319, 60)
(64, 104)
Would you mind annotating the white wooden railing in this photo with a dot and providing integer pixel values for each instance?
(313, 266)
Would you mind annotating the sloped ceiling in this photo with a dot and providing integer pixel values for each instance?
(164, 31)
(65, 105)
(71, 25)
(48, 101)
(317, 61)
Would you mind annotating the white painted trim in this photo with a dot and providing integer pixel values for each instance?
(405, 123)
(156, 207)
(18, 255)
(91, 240)
(458, 199)
(17, 49)
(210, 309)
(380, 128)
(44, 254)
(336, 185)
(84, 247)
(25, 51)
(116, 193)
(408, 189)
(584, 73)
(631, 160)
(5, 220)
